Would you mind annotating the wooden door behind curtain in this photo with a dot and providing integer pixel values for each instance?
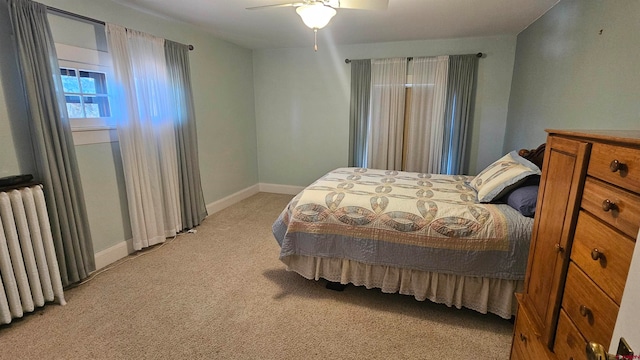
(407, 112)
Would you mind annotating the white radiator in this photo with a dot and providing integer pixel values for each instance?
(28, 264)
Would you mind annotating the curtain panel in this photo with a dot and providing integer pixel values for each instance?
(192, 206)
(55, 158)
(146, 134)
(425, 123)
(460, 98)
(359, 112)
(386, 126)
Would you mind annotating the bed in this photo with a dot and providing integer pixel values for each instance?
(451, 239)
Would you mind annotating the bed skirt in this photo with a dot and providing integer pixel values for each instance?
(483, 295)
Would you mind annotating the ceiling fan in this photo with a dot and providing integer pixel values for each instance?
(316, 14)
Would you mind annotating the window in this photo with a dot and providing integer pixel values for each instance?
(86, 85)
(85, 93)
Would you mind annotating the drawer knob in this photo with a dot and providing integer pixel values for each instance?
(608, 205)
(558, 248)
(616, 166)
(522, 337)
(584, 311)
(596, 254)
(596, 351)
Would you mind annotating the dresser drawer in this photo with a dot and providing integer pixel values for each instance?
(626, 175)
(569, 344)
(593, 312)
(526, 340)
(624, 211)
(603, 254)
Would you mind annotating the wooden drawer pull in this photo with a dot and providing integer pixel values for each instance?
(584, 311)
(616, 166)
(522, 337)
(608, 205)
(558, 248)
(596, 254)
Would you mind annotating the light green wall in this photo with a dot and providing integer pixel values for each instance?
(568, 75)
(104, 193)
(222, 79)
(69, 31)
(302, 103)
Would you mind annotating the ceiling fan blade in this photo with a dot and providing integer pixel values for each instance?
(364, 4)
(275, 6)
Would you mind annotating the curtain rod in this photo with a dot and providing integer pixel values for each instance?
(479, 55)
(82, 17)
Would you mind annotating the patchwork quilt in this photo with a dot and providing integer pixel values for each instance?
(402, 219)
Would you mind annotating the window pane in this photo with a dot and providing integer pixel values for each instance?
(69, 81)
(96, 106)
(93, 82)
(88, 85)
(68, 72)
(74, 107)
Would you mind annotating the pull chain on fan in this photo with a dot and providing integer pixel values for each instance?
(315, 39)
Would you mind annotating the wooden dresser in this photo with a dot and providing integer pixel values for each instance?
(586, 223)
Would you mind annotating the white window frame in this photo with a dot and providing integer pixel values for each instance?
(89, 130)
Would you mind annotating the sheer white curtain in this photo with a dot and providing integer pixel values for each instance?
(388, 80)
(425, 125)
(146, 134)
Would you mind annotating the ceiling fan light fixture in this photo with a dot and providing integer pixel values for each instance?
(316, 15)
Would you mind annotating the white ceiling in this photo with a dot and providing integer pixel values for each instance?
(403, 20)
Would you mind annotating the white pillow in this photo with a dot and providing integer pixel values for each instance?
(503, 175)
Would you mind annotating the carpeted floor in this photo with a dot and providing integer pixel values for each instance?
(222, 293)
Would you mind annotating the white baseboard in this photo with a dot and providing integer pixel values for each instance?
(281, 189)
(123, 249)
(218, 205)
(113, 254)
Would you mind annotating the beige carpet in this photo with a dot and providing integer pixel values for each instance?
(223, 294)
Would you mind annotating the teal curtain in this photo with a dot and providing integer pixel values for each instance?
(359, 111)
(55, 158)
(193, 209)
(459, 107)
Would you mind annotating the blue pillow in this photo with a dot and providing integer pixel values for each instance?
(524, 199)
